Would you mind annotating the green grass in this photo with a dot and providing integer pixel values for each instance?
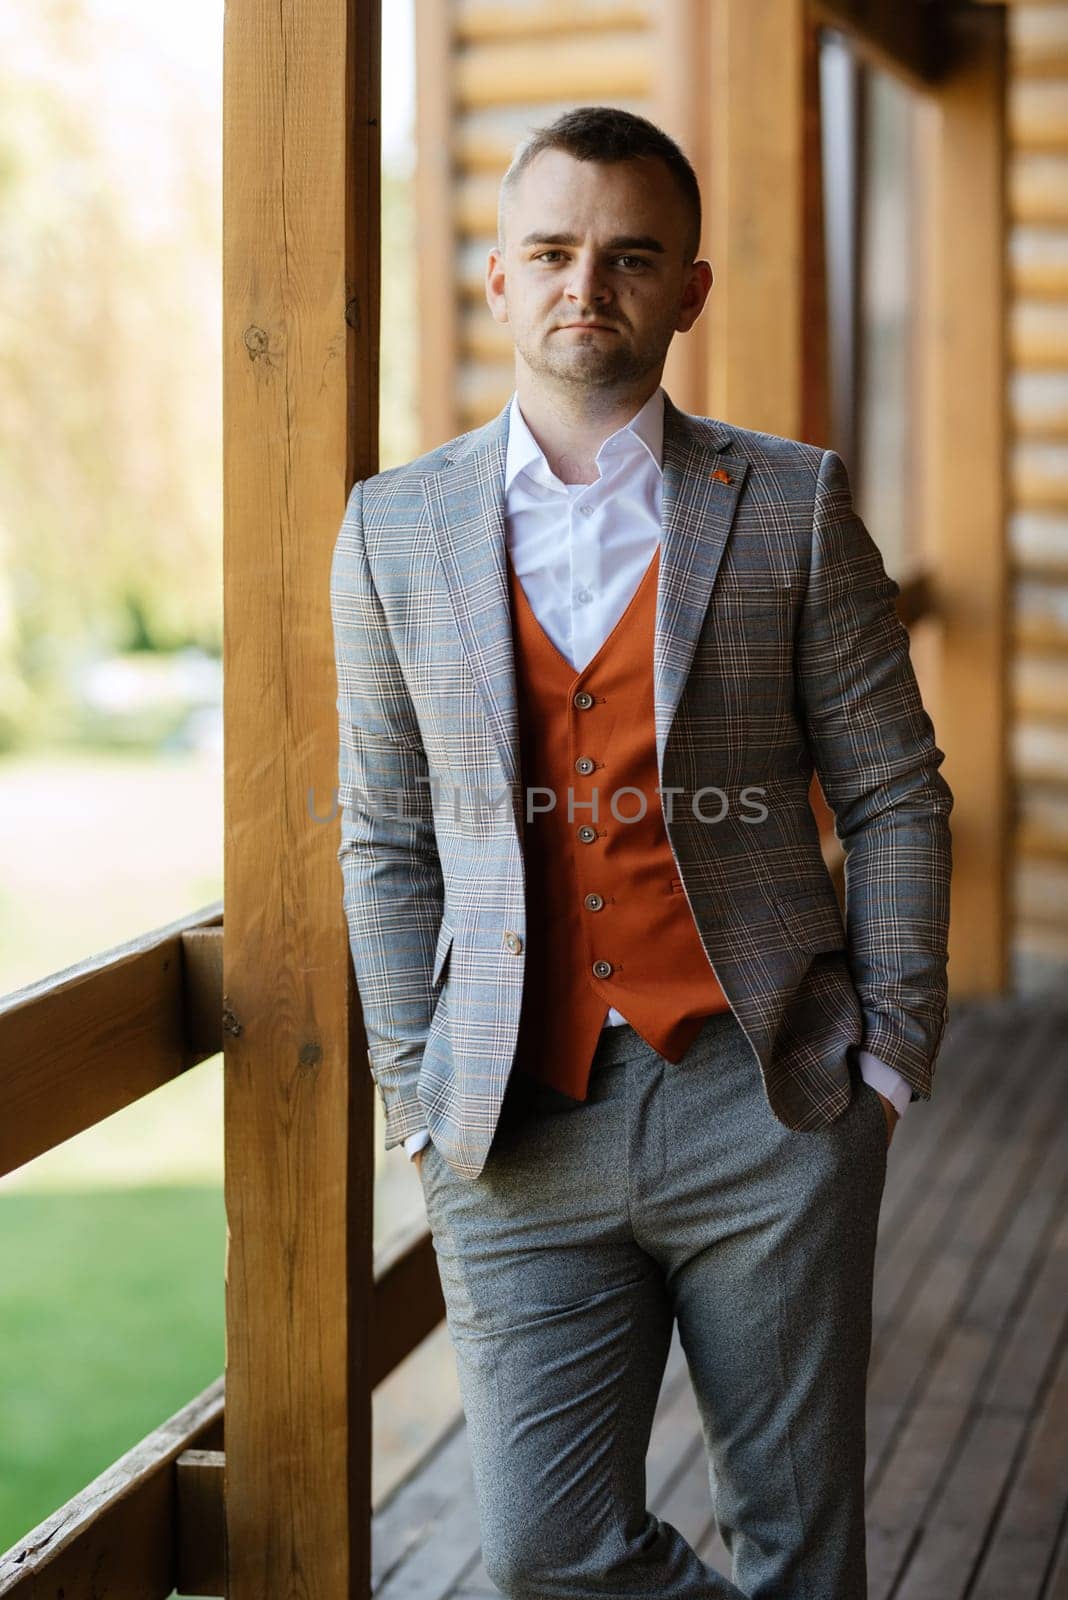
(111, 1319)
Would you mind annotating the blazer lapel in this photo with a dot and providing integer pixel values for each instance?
(465, 504)
(696, 516)
(465, 507)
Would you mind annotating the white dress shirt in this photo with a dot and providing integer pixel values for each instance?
(579, 550)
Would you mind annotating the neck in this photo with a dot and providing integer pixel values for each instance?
(570, 432)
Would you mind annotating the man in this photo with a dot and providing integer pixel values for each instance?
(588, 656)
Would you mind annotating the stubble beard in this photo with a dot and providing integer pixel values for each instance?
(595, 361)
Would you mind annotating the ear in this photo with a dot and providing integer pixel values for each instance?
(495, 284)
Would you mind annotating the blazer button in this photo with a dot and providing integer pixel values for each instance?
(513, 942)
(583, 699)
(593, 902)
(602, 969)
(584, 764)
(587, 834)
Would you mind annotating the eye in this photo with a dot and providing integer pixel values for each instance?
(637, 261)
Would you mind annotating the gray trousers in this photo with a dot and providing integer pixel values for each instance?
(671, 1192)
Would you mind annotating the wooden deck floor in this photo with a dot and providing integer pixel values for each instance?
(968, 1382)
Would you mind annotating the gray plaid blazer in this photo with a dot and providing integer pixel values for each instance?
(777, 650)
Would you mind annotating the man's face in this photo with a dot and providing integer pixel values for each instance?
(600, 244)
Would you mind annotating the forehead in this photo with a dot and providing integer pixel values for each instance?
(579, 196)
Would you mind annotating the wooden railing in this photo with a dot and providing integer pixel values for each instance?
(87, 1041)
(75, 1048)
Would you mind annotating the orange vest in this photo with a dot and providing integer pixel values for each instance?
(607, 919)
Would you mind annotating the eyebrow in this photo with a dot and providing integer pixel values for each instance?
(622, 241)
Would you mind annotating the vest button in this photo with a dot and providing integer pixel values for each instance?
(584, 764)
(513, 942)
(593, 902)
(602, 969)
(583, 699)
(587, 834)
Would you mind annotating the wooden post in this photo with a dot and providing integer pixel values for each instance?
(436, 264)
(815, 339)
(755, 201)
(300, 389)
(964, 155)
(683, 108)
(713, 68)
(761, 173)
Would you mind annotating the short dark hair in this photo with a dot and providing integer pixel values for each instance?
(607, 133)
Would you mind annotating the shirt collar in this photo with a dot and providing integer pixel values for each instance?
(643, 434)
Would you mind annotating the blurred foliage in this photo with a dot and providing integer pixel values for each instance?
(110, 348)
(109, 342)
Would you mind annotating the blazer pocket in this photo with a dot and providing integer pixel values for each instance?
(441, 954)
(758, 596)
(812, 921)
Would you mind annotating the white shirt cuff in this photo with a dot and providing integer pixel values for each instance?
(885, 1080)
(416, 1141)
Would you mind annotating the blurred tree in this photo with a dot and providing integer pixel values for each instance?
(110, 339)
(110, 412)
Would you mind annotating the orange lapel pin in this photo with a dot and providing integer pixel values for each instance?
(724, 477)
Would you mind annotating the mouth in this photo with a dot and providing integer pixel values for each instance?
(587, 327)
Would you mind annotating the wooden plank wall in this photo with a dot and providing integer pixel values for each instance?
(1038, 483)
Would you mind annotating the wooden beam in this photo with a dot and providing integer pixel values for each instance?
(202, 966)
(908, 38)
(83, 1043)
(119, 1536)
(963, 156)
(301, 230)
(408, 1303)
(200, 1542)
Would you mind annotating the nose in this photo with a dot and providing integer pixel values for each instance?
(586, 286)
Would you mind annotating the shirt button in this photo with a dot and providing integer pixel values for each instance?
(587, 511)
(583, 699)
(593, 902)
(584, 764)
(587, 834)
(602, 969)
(513, 942)
(582, 596)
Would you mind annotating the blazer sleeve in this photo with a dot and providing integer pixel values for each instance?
(877, 761)
(393, 889)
